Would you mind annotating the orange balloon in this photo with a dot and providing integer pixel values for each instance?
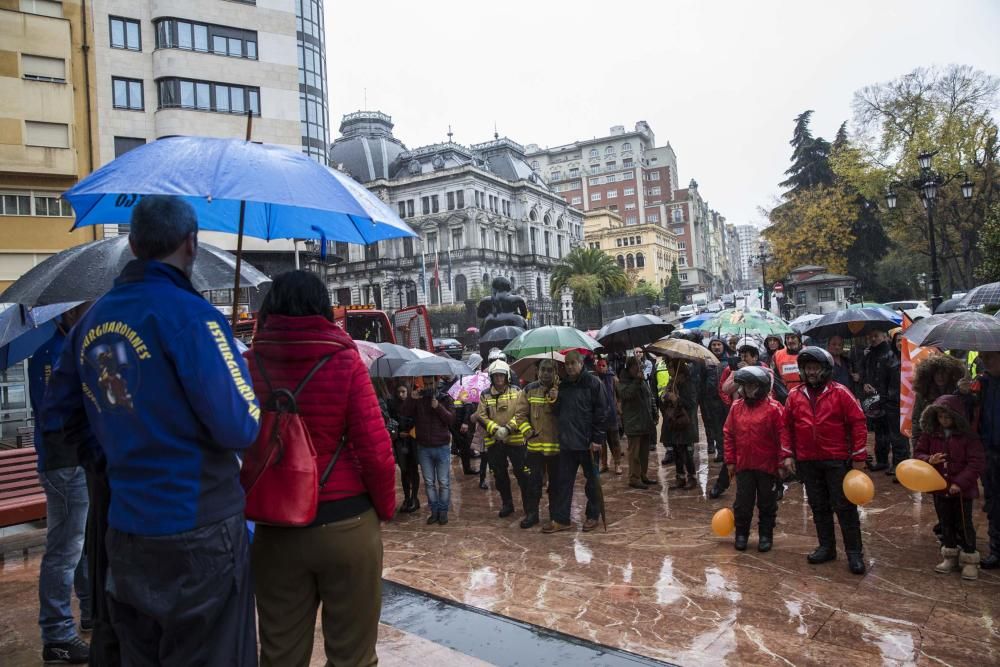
(724, 522)
(920, 476)
(858, 487)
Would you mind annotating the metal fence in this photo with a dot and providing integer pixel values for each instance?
(611, 308)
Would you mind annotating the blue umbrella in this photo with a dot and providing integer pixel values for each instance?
(697, 321)
(23, 330)
(285, 194)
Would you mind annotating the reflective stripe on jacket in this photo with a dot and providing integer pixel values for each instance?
(498, 410)
(537, 420)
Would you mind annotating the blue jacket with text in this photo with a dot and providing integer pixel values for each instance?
(153, 371)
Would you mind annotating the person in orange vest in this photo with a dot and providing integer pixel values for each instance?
(785, 362)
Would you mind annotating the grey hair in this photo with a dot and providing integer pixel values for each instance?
(159, 225)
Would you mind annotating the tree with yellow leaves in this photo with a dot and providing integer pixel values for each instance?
(813, 227)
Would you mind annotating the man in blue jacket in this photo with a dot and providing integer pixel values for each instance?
(153, 371)
(64, 565)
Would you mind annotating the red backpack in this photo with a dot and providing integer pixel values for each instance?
(279, 473)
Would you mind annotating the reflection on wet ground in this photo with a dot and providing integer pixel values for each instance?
(659, 584)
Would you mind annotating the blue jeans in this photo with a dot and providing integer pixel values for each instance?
(435, 464)
(64, 565)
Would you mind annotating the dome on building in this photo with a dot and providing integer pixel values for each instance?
(366, 148)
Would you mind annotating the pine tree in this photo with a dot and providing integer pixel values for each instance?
(673, 288)
(810, 159)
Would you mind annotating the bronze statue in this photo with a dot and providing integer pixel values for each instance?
(503, 308)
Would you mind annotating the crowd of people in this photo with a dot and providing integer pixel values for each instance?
(148, 409)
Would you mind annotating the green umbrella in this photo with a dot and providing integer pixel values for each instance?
(739, 322)
(549, 339)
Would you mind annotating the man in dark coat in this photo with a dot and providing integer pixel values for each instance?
(581, 405)
(987, 386)
(713, 410)
(880, 378)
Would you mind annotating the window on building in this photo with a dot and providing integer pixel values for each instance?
(456, 239)
(800, 298)
(626, 176)
(594, 152)
(826, 295)
(631, 220)
(682, 260)
(611, 178)
(621, 261)
(125, 33)
(408, 246)
(125, 144)
(496, 241)
(52, 8)
(630, 206)
(207, 37)
(482, 238)
(628, 162)
(629, 261)
(678, 215)
(451, 201)
(653, 217)
(612, 194)
(127, 93)
(638, 240)
(556, 174)
(594, 180)
(679, 230)
(574, 173)
(534, 165)
(611, 164)
(510, 243)
(640, 260)
(548, 244)
(48, 135)
(41, 68)
(654, 191)
(371, 253)
(577, 200)
(682, 245)
(435, 204)
(683, 277)
(534, 241)
(628, 192)
(432, 242)
(425, 205)
(626, 147)
(479, 203)
(559, 243)
(46, 204)
(654, 175)
(402, 210)
(409, 208)
(610, 150)
(208, 96)
(619, 242)
(460, 199)
(595, 196)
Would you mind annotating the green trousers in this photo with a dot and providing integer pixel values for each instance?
(296, 570)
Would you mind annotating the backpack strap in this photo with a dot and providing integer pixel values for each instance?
(333, 459)
(309, 375)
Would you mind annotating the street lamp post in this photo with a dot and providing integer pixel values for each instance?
(927, 185)
(761, 259)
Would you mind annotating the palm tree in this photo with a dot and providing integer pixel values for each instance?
(590, 274)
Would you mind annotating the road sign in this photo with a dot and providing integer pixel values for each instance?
(778, 287)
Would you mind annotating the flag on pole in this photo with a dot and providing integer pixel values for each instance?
(911, 356)
(437, 273)
(423, 272)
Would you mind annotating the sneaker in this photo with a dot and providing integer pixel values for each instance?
(74, 652)
(555, 527)
(86, 624)
(589, 525)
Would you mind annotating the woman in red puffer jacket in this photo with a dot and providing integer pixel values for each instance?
(337, 560)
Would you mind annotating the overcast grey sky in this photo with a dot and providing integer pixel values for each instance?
(721, 81)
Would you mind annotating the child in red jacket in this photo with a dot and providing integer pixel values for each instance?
(752, 441)
(950, 445)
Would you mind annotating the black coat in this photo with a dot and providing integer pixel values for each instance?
(582, 410)
(881, 371)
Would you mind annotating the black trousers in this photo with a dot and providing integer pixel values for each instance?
(536, 467)
(184, 599)
(569, 463)
(713, 415)
(405, 450)
(723, 480)
(991, 494)
(888, 439)
(754, 487)
(463, 443)
(499, 454)
(104, 648)
(684, 459)
(824, 482)
(955, 515)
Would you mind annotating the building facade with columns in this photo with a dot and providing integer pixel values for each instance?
(480, 212)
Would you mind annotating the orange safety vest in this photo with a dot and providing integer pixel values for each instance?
(787, 367)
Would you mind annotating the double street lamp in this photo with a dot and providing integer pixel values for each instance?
(927, 185)
(761, 259)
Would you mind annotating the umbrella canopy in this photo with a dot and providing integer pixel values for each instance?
(984, 295)
(698, 320)
(86, 272)
(393, 357)
(948, 306)
(631, 331)
(686, 350)
(469, 388)
(957, 331)
(369, 352)
(22, 331)
(501, 335)
(432, 365)
(741, 322)
(853, 322)
(527, 367)
(287, 194)
(802, 322)
(865, 304)
(472, 330)
(549, 339)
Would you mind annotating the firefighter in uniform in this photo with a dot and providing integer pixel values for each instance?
(538, 423)
(504, 442)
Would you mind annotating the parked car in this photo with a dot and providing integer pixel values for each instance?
(728, 300)
(915, 309)
(449, 346)
(687, 311)
(714, 307)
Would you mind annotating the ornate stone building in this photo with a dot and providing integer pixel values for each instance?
(480, 210)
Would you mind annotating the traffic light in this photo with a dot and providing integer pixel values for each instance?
(760, 292)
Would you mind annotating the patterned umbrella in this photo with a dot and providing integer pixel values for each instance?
(549, 339)
(984, 295)
(957, 331)
(686, 350)
(470, 387)
(369, 352)
(740, 322)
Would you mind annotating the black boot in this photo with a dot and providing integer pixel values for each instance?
(853, 548)
(856, 562)
(741, 542)
(764, 541)
(822, 554)
(827, 549)
(530, 520)
(715, 492)
(506, 510)
(432, 519)
(991, 562)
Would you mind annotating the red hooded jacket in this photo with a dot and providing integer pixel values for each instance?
(965, 460)
(753, 435)
(339, 396)
(831, 427)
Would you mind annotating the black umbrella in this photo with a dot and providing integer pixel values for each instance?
(632, 331)
(395, 356)
(852, 322)
(435, 365)
(86, 272)
(984, 295)
(948, 306)
(501, 335)
(957, 331)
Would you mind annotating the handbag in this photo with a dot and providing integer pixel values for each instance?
(279, 473)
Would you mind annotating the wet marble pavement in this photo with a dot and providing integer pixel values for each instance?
(660, 584)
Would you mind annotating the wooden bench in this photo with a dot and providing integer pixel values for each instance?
(22, 498)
